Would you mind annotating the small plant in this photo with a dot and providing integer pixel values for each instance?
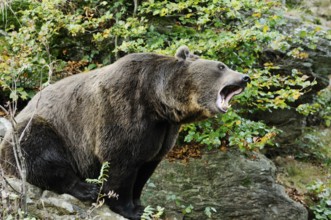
(322, 195)
(151, 213)
(187, 209)
(209, 211)
(100, 181)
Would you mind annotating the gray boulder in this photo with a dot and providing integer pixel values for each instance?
(236, 186)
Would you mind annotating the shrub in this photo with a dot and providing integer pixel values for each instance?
(47, 40)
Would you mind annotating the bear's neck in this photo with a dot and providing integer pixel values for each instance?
(177, 101)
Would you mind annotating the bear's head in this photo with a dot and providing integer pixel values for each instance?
(208, 86)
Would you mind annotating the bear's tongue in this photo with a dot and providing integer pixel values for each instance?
(225, 96)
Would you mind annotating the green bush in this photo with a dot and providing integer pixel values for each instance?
(231, 128)
(47, 40)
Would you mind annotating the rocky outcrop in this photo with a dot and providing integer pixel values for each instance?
(49, 205)
(236, 186)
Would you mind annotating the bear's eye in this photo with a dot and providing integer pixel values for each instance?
(221, 66)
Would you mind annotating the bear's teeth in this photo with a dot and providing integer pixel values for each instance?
(229, 106)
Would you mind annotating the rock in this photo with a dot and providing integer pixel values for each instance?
(288, 120)
(50, 205)
(65, 204)
(32, 191)
(4, 126)
(236, 186)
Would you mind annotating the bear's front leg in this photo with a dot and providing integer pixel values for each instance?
(123, 186)
(144, 173)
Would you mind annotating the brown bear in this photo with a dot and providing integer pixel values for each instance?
(127, 113)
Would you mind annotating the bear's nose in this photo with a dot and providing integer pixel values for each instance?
(246, 79)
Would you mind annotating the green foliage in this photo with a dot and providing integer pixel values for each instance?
(273, 91)
(103, 175)
(47, 40)
(314, 145)
(321, 107)
(322, 193)
(209, 211)
(151, 213)
(47, 35)
(232, 129)
(186, 209)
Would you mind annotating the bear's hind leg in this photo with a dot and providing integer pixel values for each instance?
(61, 178)
(50, 164)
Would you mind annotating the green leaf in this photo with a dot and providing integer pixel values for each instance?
(13, 96)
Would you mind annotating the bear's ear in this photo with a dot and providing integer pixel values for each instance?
(183, 53)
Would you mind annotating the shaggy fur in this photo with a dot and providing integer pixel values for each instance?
(127, 113)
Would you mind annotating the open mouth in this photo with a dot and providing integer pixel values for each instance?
(225, 95)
